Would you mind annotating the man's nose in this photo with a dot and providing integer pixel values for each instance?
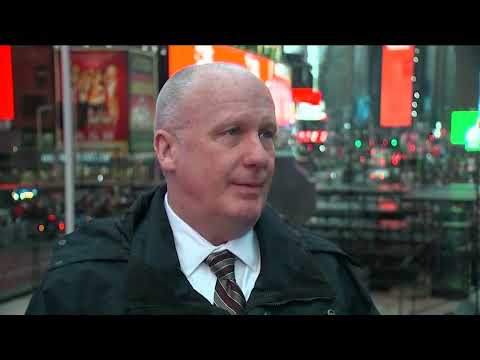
(256, 154)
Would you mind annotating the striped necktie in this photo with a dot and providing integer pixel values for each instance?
(228, 294)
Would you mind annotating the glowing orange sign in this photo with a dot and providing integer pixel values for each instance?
(180, 56)
(396, 87)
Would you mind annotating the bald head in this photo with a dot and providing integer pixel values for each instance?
(174, 95)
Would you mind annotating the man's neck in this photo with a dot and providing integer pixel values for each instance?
(215, 230)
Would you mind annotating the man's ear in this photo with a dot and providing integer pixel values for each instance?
(164, 145)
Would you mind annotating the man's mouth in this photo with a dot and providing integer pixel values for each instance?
(252, 185)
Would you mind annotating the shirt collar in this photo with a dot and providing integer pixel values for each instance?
(192, 248)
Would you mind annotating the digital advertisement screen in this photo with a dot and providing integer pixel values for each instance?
(396, 86)
(6, 84)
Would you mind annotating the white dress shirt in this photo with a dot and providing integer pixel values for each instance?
(192, 249)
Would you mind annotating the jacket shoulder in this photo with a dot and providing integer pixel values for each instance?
(100, 239)
(316, 244)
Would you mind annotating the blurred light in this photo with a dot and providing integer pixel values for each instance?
(415, 59)
(362, 159)
(333, 175)
(416, 94)
(22, 196)
(163, 52)
(429, 157)
(373, 151)
(347, 126)
(438, 125)
(27, 195)
(311, 136)
(437, 133)
(15, 149)
(15, 196)
(51, 217)
(414, 113)
(322, 148)
(394, 142)
(100, 178)
(417, 50)
(412, 148)
(414, 78)
(323, 136)
(396, 157)
(358, 143)
(382, 162)
(61, 226)
(41, 228)
(387, 205)
(414, 104)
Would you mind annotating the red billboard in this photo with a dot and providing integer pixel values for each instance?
(180, 56)
(396, 86)
(100, 96)
(6, 84)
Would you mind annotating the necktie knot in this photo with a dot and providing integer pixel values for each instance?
(222, 264)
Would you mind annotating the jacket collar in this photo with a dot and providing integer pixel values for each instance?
(155, 278)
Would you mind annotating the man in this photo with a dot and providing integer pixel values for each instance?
(208, 245)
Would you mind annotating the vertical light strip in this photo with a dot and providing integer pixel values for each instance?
(6, 84)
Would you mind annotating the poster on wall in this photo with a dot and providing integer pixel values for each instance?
(100, 98)
(142, 101)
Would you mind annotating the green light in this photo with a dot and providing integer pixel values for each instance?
(358, 143)
(461, 122)
(394, 142)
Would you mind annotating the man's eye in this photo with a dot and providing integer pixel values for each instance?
(267, 134)
(232, 131)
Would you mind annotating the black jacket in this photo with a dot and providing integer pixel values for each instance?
(130, 266)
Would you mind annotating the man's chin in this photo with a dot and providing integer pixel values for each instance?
(247, 215)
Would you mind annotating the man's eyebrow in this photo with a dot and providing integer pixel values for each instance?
(268, 123)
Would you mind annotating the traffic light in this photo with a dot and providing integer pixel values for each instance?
(394, 142)
(358, 143)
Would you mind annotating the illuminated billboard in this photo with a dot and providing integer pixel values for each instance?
(6, 84)
(180, 56)
(396, 86)
(100, 97)
(464, 130)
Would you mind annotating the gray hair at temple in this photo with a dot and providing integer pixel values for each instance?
(176, 89)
